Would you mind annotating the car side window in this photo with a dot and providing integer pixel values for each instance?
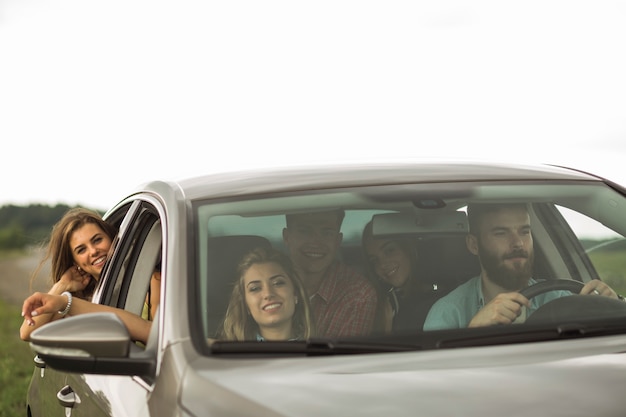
(137, 254)
(605, 248)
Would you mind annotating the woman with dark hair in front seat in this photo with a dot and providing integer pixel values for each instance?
(403, 300)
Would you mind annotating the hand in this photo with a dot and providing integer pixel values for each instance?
(74, 279)
(42, 303)
(503, 309)
(598, 287)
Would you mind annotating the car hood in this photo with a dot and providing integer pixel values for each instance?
(569, 378)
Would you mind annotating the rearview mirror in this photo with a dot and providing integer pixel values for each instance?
(426, 223)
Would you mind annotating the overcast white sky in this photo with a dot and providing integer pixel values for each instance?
(98, 97)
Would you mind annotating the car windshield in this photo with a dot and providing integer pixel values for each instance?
(401, 262)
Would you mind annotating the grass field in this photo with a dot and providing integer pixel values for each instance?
(16, 363)
(611, 266)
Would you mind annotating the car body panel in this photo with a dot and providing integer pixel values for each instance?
(510, 380)
(108, 395)
(358, 174)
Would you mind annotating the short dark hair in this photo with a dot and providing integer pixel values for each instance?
(289, 218)
(476, 212)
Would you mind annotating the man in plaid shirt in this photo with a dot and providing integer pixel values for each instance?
(342, 300)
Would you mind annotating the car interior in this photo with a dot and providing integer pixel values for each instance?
(437, 226)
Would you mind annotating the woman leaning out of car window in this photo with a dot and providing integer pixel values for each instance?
(78, 249)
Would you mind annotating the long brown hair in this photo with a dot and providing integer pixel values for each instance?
(59, 252)
(408, 247)
(386, 297)
(239, 325)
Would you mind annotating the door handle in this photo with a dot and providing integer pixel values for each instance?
(39, 363)
(67, 397)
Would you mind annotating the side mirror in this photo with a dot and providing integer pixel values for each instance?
(95, 343)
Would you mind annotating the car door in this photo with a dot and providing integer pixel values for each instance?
(44, 384)
(124, 284)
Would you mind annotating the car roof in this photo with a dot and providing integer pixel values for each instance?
(349, 174)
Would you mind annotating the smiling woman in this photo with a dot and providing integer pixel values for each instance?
(268, 301)
(78, 248)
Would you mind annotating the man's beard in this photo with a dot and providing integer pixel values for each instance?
(511, 279)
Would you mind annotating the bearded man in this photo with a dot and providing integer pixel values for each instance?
(500, 235)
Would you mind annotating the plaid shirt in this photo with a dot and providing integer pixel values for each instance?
(345, 303)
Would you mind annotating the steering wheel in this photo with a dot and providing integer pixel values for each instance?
(552, 285)
(573, 307)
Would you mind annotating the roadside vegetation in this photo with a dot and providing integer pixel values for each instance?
(23, 226)
(16, 363)
(611, 266)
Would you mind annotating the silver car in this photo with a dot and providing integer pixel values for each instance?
(566, 359)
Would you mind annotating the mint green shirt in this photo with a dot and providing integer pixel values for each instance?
(456, 309)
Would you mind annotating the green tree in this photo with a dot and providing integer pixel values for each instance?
(21, 226)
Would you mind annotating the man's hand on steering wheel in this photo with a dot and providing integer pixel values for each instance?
(503, 309)
(598, 287)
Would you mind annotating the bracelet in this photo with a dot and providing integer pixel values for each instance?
(621, 297)
(69, 303)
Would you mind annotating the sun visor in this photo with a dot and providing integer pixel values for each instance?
(431, 223)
